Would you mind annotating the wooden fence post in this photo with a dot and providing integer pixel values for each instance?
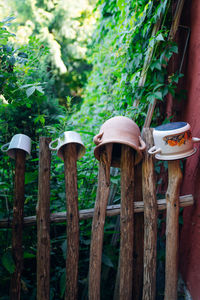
(138, 249)
(72, 257)
(126, 222)
(172, 229)
(17, 225)
(150, 220)
(43, 221)
(98, 223)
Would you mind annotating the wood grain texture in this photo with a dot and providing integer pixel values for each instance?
(17, 225)
(150, 220)
(126, 223)
(172, 229)
(72, 257)
(43, 221)
(138, 250)
(98, 223)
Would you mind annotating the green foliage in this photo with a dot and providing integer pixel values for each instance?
(65, 28)
(33, 83)
(26, 107)
(120, 48)
(7, 262)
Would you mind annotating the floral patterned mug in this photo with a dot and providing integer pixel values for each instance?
(173, 141)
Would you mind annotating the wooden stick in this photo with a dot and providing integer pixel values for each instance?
(138, 253)
(150, 220)
(126, 223)
(43, 221)
(72, 258)
(111, 210)
(17, 225)
(98, 223)
(138, 240)
(172, 229)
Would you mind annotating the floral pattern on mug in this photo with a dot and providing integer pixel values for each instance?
(179, 139)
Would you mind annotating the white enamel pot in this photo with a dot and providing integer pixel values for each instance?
(173, 141)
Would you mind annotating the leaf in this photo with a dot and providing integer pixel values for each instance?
(8, 19)
(114, 180)
(28, 255)
(30, 177)
(156, 65)
(107, 261)
(62, 284)
(87, 132)
(7, 262)
(28, 105)
(174, 49)
(160, 37)
(26, 85)
(40, 89)
(158, 95)
(64, 248)
(86, 242)
(120, 4)
(23, 55)
(30, 91)
(12, 60)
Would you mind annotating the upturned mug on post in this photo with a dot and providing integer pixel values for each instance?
(18, 141)
(65, 138)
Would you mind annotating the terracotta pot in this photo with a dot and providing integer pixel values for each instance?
(173, 141)
(119, 130)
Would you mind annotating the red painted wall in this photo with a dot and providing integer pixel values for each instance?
(190, 234)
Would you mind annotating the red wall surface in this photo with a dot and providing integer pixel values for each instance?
(190, 233)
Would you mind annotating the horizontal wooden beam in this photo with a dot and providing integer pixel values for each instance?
(112, 210)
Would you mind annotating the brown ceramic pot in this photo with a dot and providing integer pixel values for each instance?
(119, 130)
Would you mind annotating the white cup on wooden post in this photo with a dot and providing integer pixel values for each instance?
(65, 138)
(18, 142)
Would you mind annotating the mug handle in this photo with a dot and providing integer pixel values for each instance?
(195, 140)
(51, 148)
(154, 150)
(142, 146)
(97, 138)
(2, 148)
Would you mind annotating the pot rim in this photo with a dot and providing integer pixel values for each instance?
(172, 131)
(176, 156)
(115, 141)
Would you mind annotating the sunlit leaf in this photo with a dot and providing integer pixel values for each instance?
(30, 91)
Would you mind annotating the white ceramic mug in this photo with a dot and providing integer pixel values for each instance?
(173, 141)
(18, 141)
(68, 137)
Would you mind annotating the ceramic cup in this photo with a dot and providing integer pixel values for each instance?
(18, 141)
(68, 137)
(119, 130)
(173, 141)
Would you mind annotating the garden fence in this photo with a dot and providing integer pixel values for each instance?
(136, 276)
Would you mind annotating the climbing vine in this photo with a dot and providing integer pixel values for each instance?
(128, 57)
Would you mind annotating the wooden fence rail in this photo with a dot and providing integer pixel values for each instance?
(111, 211)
